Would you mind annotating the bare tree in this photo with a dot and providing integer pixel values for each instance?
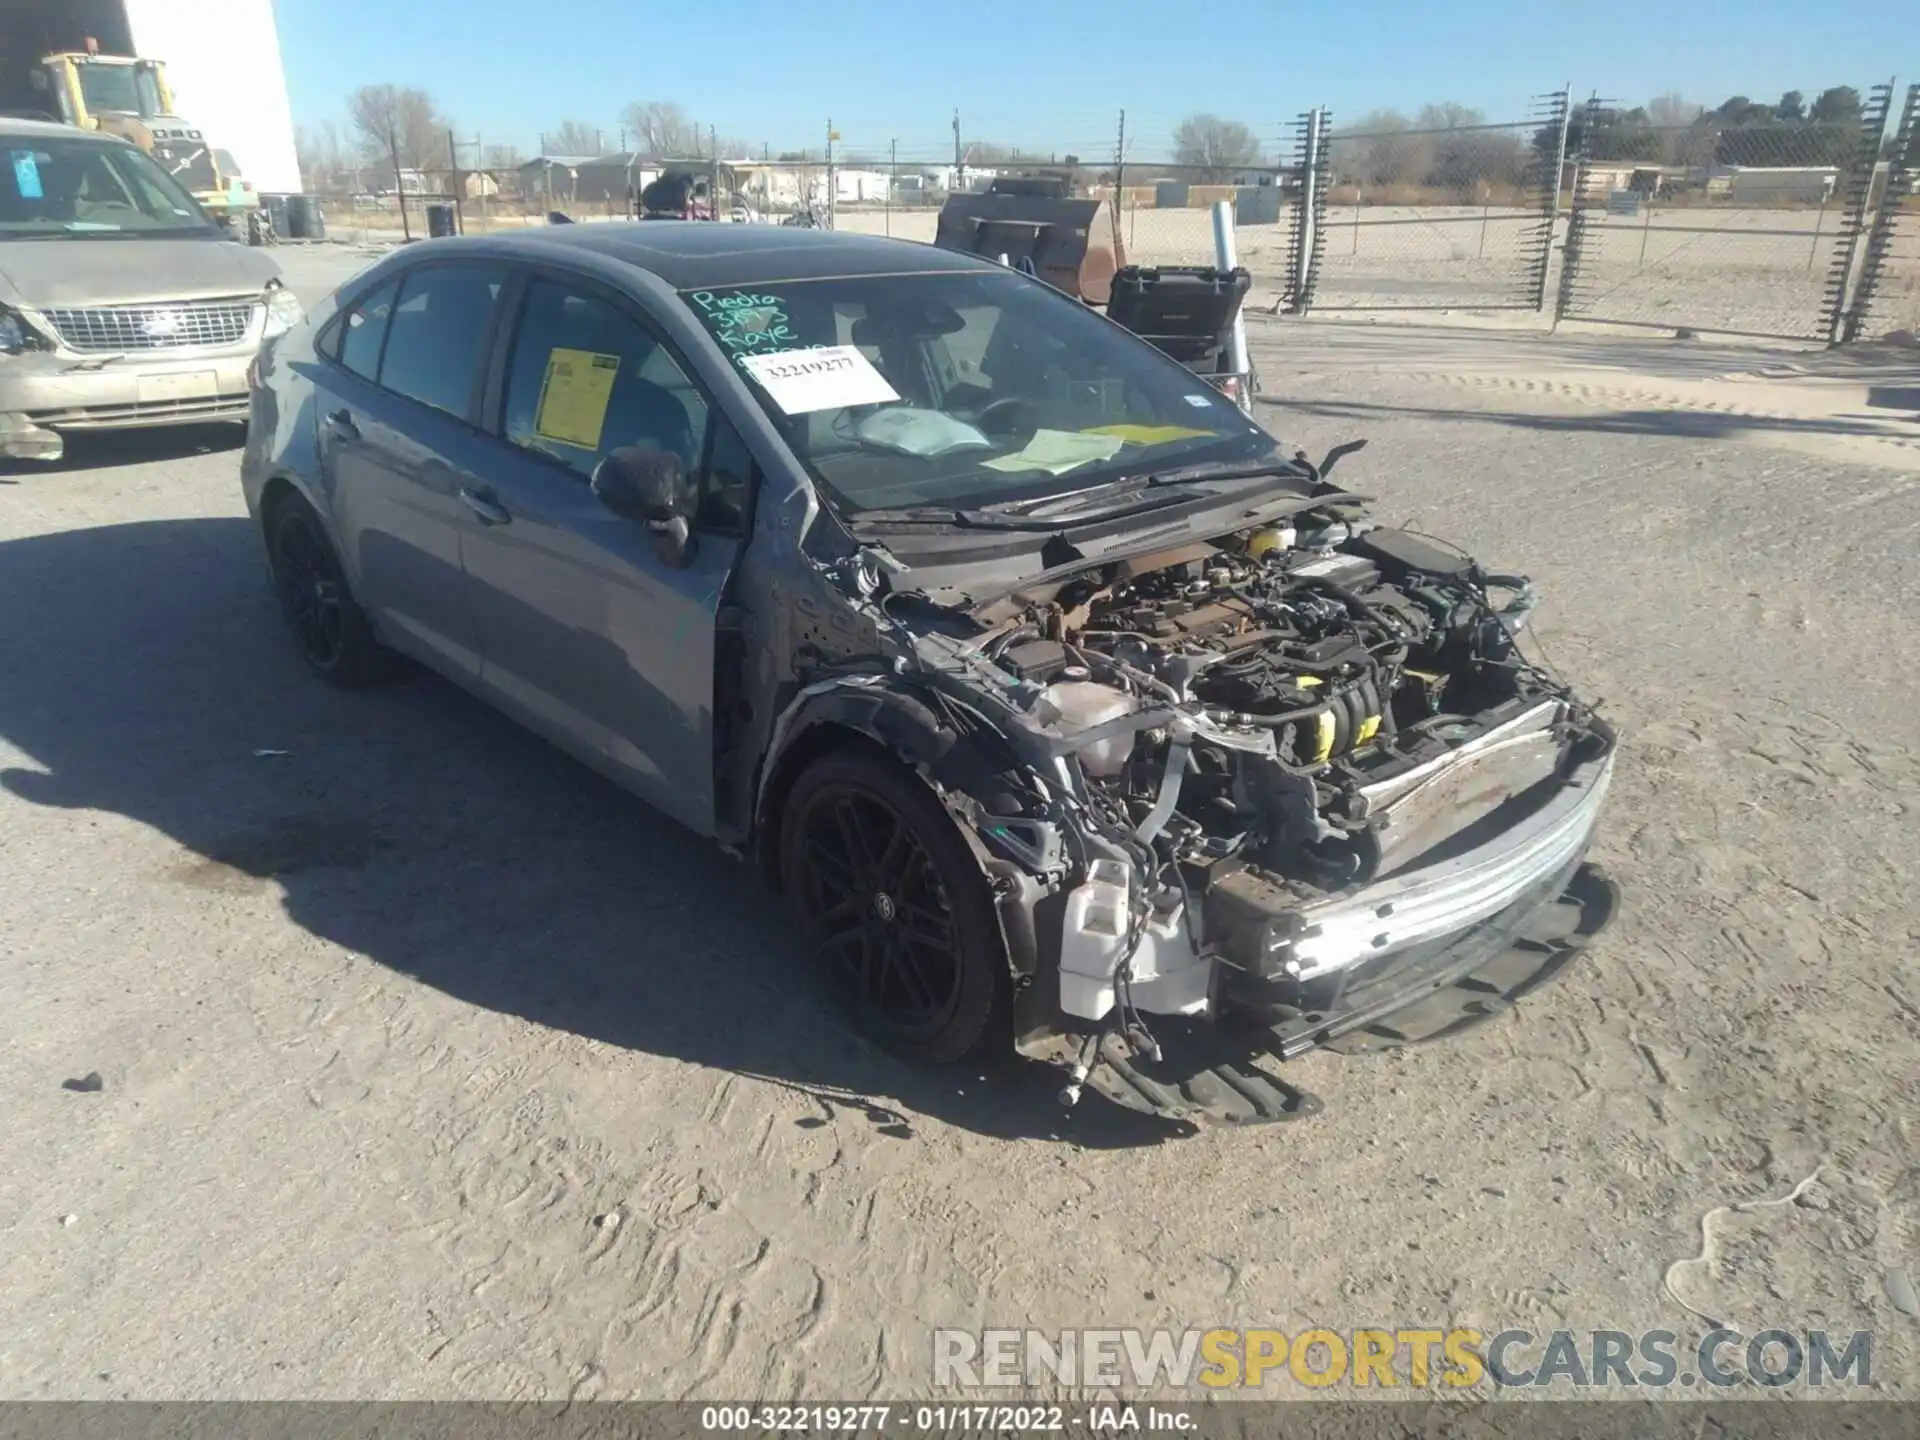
(573, 137)
(324, 163)
(391, 120)
(1376, 150)
(1672, 110)
(1216, 147)
(1475, 159)
(987, 152)
(502, 157)
(660, 127)
(1447, 115)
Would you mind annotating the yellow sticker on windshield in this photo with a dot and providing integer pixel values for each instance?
(1150, 434)
(573, 397)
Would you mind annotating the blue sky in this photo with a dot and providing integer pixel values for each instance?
(1055, 76)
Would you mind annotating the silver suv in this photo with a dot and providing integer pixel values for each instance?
(122, 305)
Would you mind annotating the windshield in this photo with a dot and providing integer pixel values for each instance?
(85, 187)
(964, 389)
(126, 88)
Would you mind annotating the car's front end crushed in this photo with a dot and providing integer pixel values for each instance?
(1295, 785)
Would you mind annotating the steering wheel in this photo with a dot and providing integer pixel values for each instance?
(1008, 415)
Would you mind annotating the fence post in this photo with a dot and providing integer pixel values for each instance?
(1226, 256)
(1846, 316)
(1558, 113)
(1309, 231)
(1577, 216)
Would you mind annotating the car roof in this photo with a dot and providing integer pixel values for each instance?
(702, 254)
(13, 127)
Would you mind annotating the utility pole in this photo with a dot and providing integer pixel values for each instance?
(959, 158)
(453, 159)
(486, 179)
(399, 182)
(1119, 185)
(893, 178)
(832, 196)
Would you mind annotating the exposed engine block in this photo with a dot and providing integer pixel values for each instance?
(1315, 661)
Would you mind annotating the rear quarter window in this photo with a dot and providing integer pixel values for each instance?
(357, 336)
(437, 334)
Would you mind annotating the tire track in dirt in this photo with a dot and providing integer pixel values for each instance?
(640, 1259)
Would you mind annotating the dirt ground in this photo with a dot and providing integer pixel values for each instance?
(433, 1067)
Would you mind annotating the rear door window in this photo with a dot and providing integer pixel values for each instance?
(437, 335)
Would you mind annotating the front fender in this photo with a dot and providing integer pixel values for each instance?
(879, 711)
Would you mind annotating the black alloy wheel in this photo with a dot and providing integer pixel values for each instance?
(896, 909)
(328, 628)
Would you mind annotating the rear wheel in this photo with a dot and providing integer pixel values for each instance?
(898, 915)
(329, 630)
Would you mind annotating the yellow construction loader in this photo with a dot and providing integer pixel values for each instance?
(128, 96)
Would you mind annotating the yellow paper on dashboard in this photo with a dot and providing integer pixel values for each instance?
(1058, 451)
(573, 397)
(1151, 434)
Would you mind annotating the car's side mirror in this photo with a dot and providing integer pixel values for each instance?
(648, 484)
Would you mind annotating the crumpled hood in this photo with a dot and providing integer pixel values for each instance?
(36, 274)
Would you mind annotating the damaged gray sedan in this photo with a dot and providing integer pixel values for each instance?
(1067, 709)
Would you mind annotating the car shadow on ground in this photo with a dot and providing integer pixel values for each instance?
(146, 675)
(128, 447)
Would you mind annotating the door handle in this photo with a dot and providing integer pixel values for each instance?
(341, 420)
(485, 505)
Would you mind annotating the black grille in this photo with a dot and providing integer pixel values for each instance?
(187, 325)
(191, 164)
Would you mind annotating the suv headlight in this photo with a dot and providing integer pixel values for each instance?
(283, 311)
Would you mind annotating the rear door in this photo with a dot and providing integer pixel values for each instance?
(585, 632)
(396, 410)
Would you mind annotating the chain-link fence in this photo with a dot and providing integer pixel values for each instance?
(1439, 218)
(1795, 219)
(1729, 223)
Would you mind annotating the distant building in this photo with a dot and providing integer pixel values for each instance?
(780, 184)
(1776, 184)
(855, 187)
(599, 181)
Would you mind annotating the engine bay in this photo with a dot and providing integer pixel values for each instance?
(1274, 697)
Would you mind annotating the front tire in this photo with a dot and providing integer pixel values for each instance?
(898, 915)
(330, 631)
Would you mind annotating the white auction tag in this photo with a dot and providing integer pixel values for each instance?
(802, 381)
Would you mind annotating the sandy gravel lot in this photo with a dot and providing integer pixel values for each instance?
(434, 1067)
